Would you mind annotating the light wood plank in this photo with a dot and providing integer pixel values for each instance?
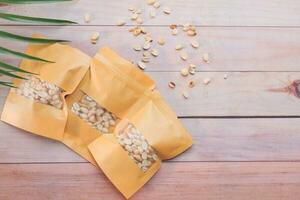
(208, 12)
(231, 49)
(213, 181)
(214, 140)
(242, 94)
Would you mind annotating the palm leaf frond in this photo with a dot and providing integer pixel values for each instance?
(7, 84)
(4, 72)
(8, 35)
(27, 19)
(21, 55)
(13, 68)
(10, 70)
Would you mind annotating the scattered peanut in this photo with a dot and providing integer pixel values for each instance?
(206, 58)
(141, 65)
(183, 56)
(225, 76)
(148, 38)
(145, 59)
(152, 14)
(185, 95)
(131, 8)
(154, 52)
(147, 46)
(179, 47)
(95, 37)
(173, 26)
(167, 10)
(192, 83)
(175, 31)
(172, 85)
(87, 18)
(134, 16)
(192, 69)
(189, 29)
(184, 72)
(137, 47)
(161, 41)
(151, 2)
(121, 23)
(206, 81)
(195, 44)
(139, 20)
(156, 5)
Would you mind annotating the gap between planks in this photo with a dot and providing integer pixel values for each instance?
(231, 49)
(214, 181)
(215, 140)
(207, 12)
(153, 25)
(245, 94)
(167, 161)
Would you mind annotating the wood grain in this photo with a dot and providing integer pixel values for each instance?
(213, 181)
(214, 140)
(257, 43)
(231, 48)
(242, 94)
(208, 12)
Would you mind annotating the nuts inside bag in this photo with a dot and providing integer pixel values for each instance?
(126, 158)
(148, 132)
(94, 115)
(40, 100)
(137, 147)
(101, 100)
(41, 91)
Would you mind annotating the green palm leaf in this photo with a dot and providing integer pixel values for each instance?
(30, 1)
(21, 55)
(7, 84)
(7, 35)
(11, 74)
(22, 18)
(13, 68)
(9, 70)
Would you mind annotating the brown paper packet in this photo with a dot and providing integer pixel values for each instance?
(151, 115)
(120, 169)
(106, 84)
(67, 72)
(78, 134)
(160, 125)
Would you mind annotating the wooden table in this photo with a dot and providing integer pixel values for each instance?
(247, 137)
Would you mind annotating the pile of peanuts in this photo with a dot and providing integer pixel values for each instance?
(137, 147)
(41, 91)
(95, 115)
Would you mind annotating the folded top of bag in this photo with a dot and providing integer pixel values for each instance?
(111, 58)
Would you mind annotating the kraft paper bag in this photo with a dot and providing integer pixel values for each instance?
(69, 67)
(163, 132)
(105, 83)
(156, 122)
(118, 166)
(160, 125)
